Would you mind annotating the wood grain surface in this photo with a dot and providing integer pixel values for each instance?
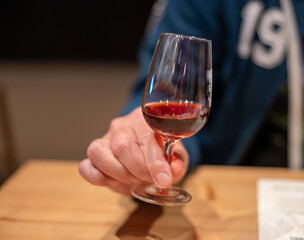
(48, 200)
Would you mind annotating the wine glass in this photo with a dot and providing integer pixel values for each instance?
(176, 102)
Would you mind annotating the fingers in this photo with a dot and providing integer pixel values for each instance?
(130, 153)
(179, 162)
(102, 158)
(92, 174)
(95, 177)
(125, 147)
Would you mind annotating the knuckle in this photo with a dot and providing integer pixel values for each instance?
(115, 123)
(147, 139)
(91, 151)
(94, 148)
(119, 143)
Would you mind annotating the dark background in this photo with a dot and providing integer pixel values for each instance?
(67, 30)
(66, 67)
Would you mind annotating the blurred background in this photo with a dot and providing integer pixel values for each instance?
(66, 69)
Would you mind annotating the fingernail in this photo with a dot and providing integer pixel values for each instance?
(162, 179)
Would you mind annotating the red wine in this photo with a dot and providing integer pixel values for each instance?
(175, 120)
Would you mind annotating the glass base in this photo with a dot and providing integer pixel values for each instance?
(150, 193)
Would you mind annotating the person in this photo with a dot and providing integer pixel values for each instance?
(253, 43)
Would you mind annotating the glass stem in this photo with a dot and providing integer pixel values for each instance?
(168, 149)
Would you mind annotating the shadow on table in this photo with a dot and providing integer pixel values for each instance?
(153, 222)
(139, 222)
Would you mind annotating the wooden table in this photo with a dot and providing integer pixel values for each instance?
(49, 200)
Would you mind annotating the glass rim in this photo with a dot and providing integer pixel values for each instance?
(185, 36)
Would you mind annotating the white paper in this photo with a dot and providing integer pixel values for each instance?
(280, 209)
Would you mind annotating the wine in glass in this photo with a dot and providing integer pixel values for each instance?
(176, 102)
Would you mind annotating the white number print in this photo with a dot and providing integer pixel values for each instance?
(269, 49)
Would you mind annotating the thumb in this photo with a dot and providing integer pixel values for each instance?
(149, 143)
(157, 164)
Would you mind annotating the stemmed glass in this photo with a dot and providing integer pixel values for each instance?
(176, 102)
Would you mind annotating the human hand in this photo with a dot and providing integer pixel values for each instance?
(129, 153)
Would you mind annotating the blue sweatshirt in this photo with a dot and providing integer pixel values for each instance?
(250, 44)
